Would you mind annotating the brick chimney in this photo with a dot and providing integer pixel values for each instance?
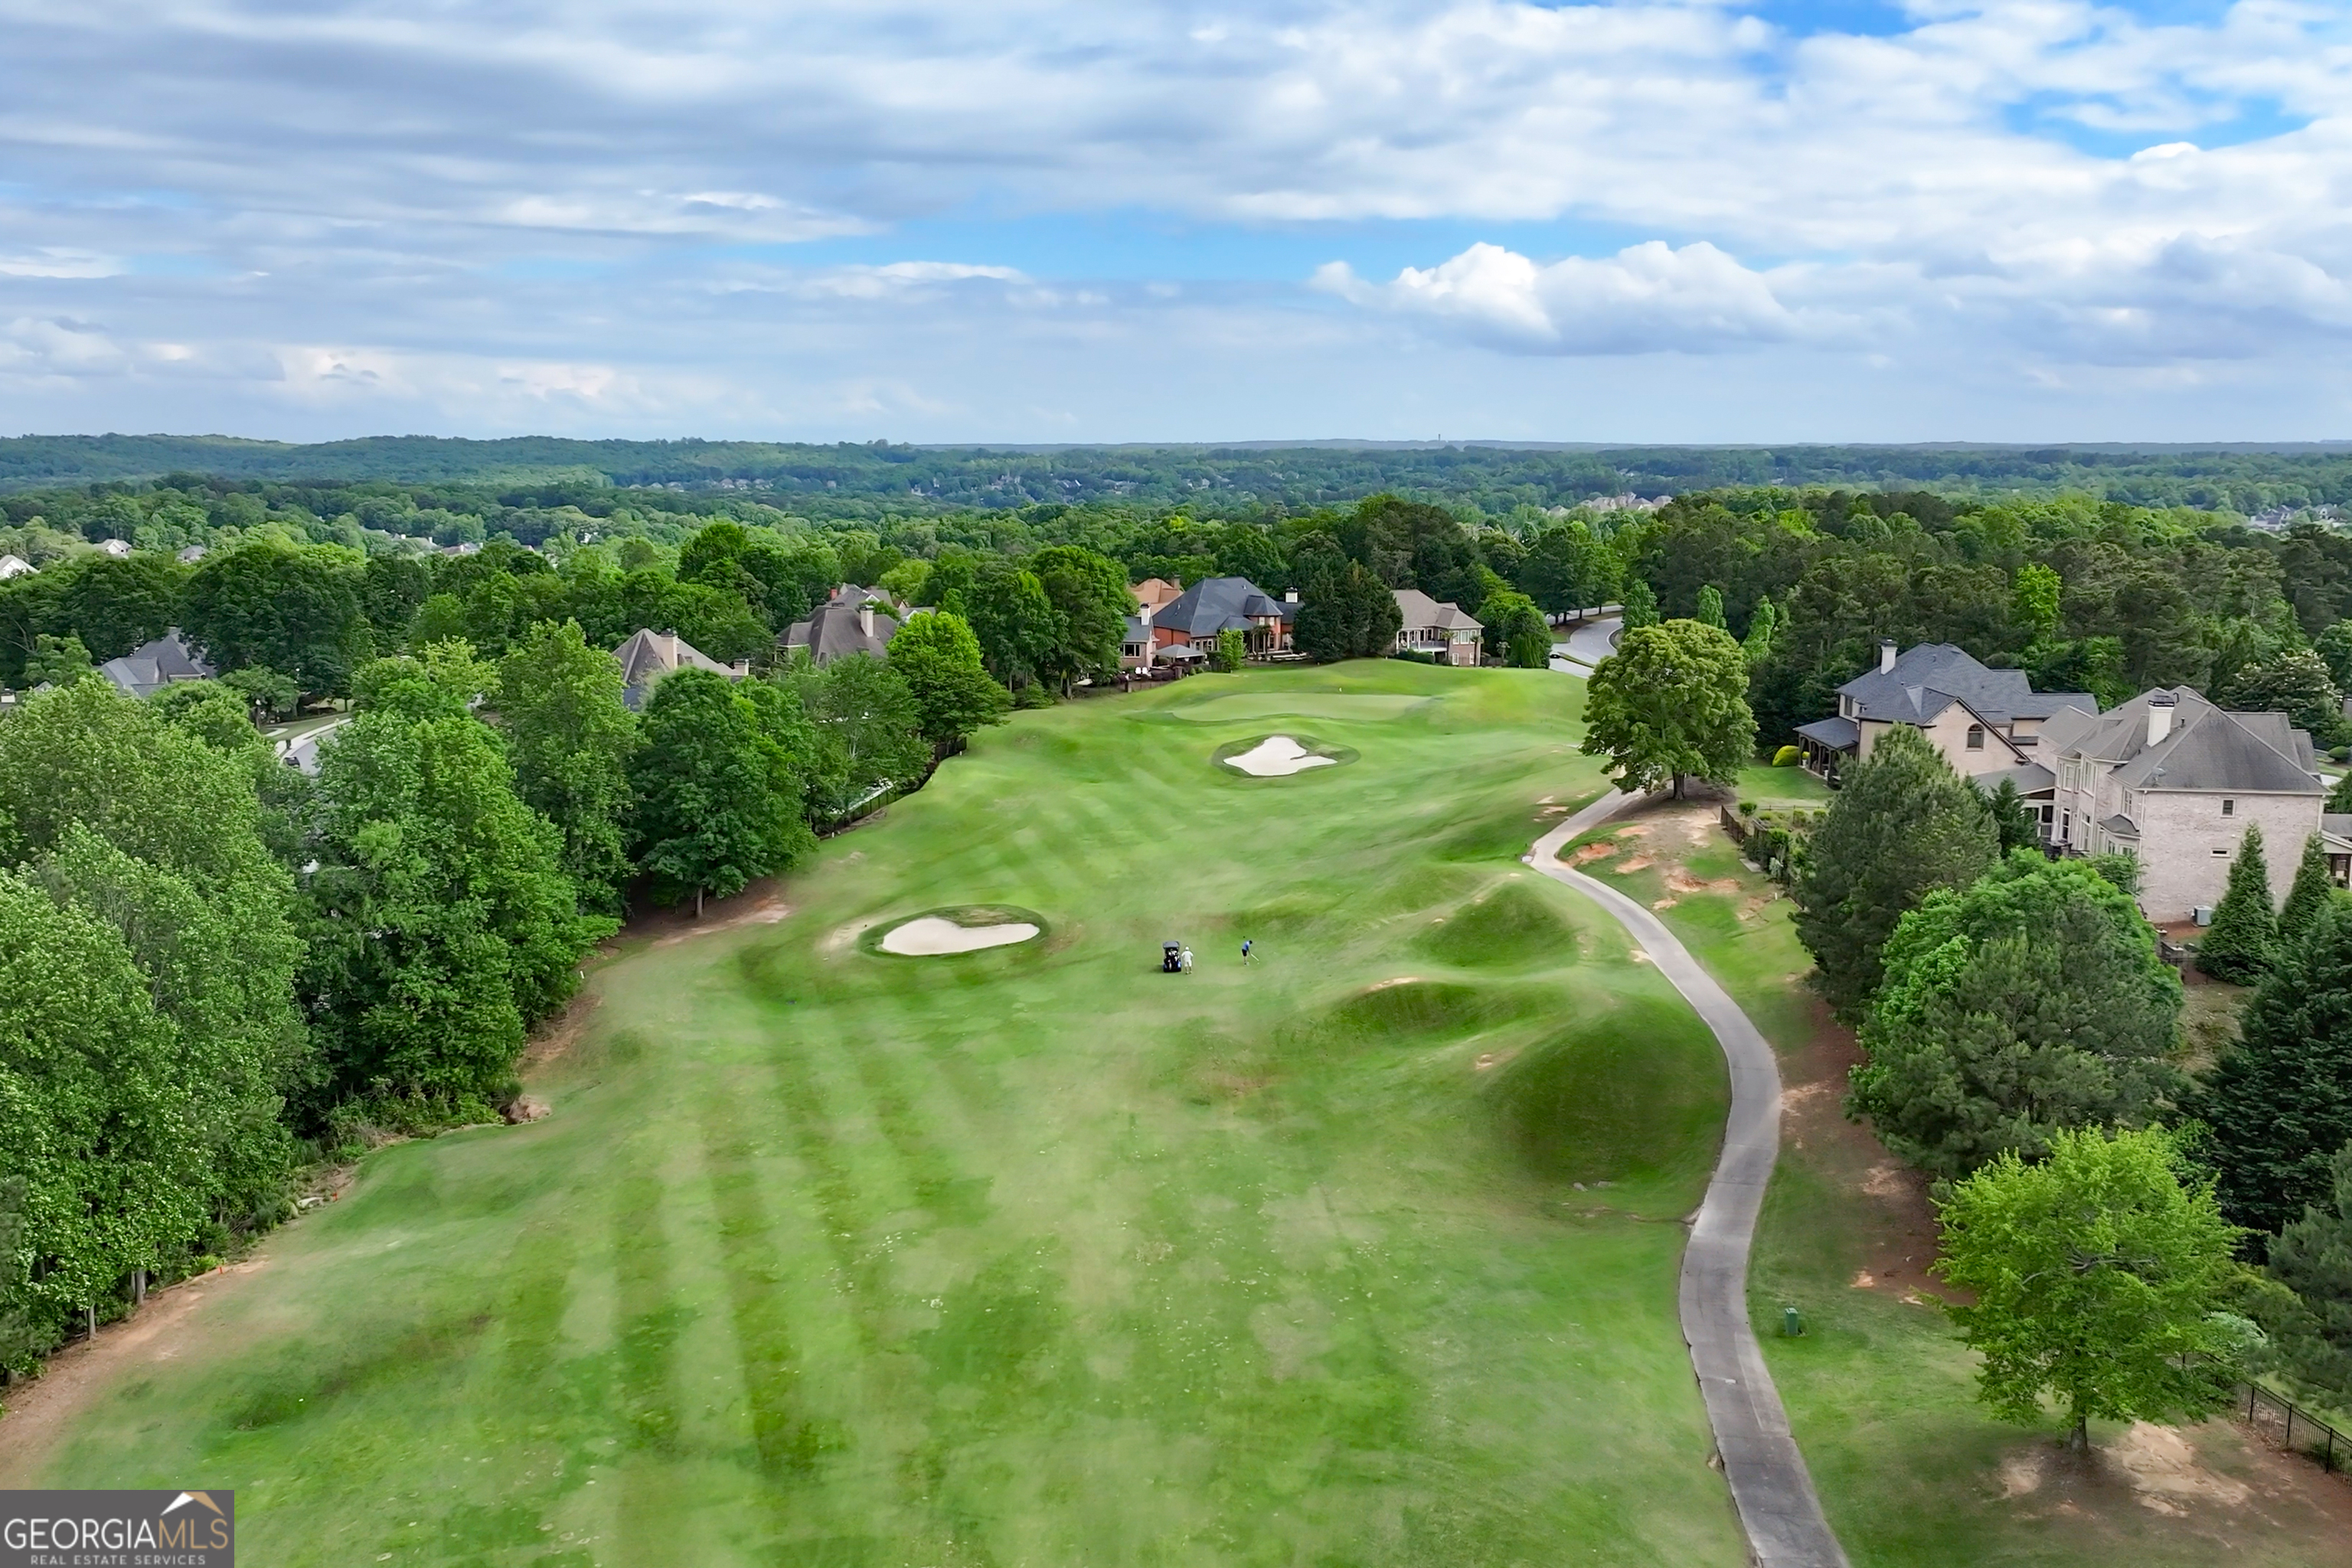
(1887, 656)
(2160, 705)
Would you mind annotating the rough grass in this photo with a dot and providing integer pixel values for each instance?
(1911, 1470)
(1037, 1256)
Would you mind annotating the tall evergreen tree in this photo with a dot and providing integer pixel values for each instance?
(1903, 825)
(1710, 608)
(2339, 795)
(1640, 605)
(2239, 945)
(2279, 1102)
(2313, 1258)
(2314, 889)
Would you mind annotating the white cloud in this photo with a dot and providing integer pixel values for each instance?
(1644, 299)
(2004, 194)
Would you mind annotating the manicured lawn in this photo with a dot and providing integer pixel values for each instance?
(1037, 1256)
(1911, 1471)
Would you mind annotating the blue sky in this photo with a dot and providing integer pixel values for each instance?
(1779, 220)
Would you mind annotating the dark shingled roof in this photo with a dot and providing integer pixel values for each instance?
(2207, 748)
(1837, 735)
(648, 656)
(1214, 605)
(1930, 678)
(147, 670)
(832, 631)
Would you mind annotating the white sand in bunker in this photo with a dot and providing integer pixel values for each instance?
(1275, 756)
(932, 936)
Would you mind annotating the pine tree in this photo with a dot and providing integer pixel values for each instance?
(2340, 798)
(2279, 1102)
(2313, 1258)
(2238, 946)
(1903, 825)
(2314, 888)
(1757, 646)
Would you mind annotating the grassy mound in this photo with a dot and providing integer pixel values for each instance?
(1637, 1093)
(1511, 924)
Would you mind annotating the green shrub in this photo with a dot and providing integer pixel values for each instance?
(1747, 808)
(1786, 757)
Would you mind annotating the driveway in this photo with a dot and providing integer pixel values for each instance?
(1769, 1484)
(302, 751)
(1588, 643)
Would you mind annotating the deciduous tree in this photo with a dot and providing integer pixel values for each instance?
(938, 658)
(2096, 1275)
(1670, 704)
(570, 739)
(709, 815)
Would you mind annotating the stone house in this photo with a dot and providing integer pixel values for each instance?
(648, 656)
(1987, 723)
(2174, 781)
(1430, 626)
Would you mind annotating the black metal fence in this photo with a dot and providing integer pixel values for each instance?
(2294, 1428)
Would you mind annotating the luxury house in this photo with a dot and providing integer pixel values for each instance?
(1215, 604)
(1988, 723)
(854, 620)
(1430, 626)
(2174, 781)
(648, 656)
(151, 666)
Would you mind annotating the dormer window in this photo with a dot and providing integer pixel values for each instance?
(1976, 737)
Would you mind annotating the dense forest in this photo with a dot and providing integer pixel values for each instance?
(876, 480)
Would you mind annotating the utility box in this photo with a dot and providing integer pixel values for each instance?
(1792, 1323)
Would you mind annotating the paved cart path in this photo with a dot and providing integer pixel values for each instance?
(1768, 1482)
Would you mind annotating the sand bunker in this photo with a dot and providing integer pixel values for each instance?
(931, 935)
(1277, 756)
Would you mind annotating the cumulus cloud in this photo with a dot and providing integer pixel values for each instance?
(1996, 194)
(1644, 299)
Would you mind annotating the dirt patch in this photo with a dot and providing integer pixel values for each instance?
(40, 1412)
(1901, 1242)
(1599, 849)
(748, 908)
(1680, 880)
(1400, 980)
(2165, 1473)
(1628, 866)
(559, 1037)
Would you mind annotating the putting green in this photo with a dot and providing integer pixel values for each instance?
(1035, 1255)
(1240, 706)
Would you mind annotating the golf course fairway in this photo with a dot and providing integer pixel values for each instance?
(1364, 1253)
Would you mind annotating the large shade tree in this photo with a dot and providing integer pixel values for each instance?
(714, 805)
(570, 740)
(1670, 704)
(2098, 1277)
(2030, 1002)
(938, 658)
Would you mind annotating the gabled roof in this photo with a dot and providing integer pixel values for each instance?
(151, 666)
(1153, 592)
(1422, 611)
(2205, 748)
(1931, 677)
(832, 631)
(1138, 630)
(1214, 605)
(15, 566)
(648, 656)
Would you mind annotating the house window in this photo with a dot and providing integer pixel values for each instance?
(2229, 806)
(1976, 737)
(2066, 827)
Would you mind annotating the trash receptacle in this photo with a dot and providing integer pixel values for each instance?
(1792, 1323)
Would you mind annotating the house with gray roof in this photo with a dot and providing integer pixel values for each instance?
(648, 656)
(151, 666)
(853, 621)
(1988, 723)
(1215, 604)
(2174, 781)
(1429, 626)
(15, 566)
